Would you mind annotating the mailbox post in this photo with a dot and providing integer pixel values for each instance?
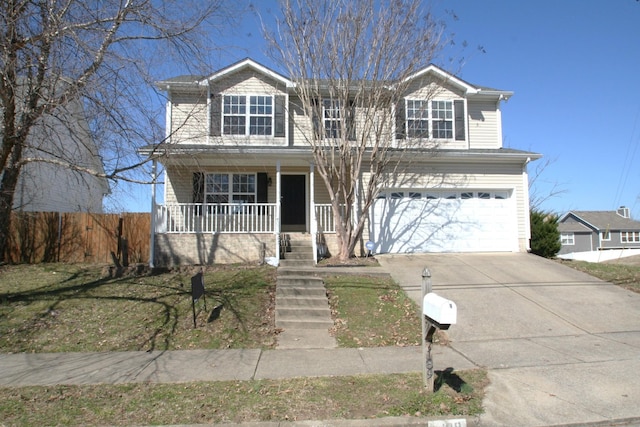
(437, 313)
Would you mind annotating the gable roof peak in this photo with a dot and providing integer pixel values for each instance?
(466, 87)
(247, 63)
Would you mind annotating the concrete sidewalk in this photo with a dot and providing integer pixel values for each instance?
(28, 369)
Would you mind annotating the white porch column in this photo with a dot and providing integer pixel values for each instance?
(278, 211)
(312, 212)
(152, 241)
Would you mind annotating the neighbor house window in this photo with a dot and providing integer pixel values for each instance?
(247, 115)
(567, 239)
(605, 236)
(225, 188)
(630, 236)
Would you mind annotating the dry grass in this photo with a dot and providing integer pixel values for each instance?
(352, 397)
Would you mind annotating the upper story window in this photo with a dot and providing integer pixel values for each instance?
(417, 119)
(257, 119)
(442, 119)
(248, 115)
(436, 119)
(332, 117)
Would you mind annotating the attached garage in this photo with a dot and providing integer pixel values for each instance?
(479, 220)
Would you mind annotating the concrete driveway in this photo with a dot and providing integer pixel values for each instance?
(561, 346)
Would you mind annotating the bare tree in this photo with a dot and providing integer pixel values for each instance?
(352, 61)
(541, 190)
(55, 54)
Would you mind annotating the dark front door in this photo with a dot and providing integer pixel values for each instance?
(293, 203)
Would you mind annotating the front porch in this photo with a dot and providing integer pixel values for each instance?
(202, 234)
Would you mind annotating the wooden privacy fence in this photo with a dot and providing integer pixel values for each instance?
(78, 237)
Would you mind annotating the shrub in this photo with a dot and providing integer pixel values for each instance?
(545, 237)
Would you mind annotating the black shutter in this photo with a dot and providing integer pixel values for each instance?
(458, 107)
(400, 120)
(263, 184)
(350, 121)
(216, 115)
(316, 112)
(198, 187)
(279, 116)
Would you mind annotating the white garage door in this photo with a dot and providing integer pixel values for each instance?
(407, 221)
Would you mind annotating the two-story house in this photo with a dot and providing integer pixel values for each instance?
(45, 186)
(239, 170)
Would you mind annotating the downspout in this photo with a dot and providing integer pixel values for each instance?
(277, 219)
(527, 216)
(152, 238)
(312, 213)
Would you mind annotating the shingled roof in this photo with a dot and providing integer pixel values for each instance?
(603, 220)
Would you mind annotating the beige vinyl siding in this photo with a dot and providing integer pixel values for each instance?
(248, 82)
(300, 124)
(419, 89)
(189, 119)
(483, 125)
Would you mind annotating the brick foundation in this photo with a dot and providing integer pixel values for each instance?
(205, 249)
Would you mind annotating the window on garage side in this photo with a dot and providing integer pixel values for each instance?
(605, 236)
(417, 119)
(567, 239)
(442, 119)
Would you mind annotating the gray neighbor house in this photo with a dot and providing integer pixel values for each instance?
(589, 231)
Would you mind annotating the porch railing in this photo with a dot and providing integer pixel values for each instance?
(325, 218)
(216, 218)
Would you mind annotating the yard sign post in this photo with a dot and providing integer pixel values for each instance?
(197, 291)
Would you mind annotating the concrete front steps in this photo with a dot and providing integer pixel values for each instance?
(302, 307)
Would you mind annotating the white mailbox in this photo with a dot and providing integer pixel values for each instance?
(439, 310)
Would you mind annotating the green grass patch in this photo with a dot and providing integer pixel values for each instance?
(352, 397)
(624, 275)
(77, 308)
(372, 312)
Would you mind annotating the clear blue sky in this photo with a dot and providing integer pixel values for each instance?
(574, 66)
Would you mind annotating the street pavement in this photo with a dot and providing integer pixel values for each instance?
(561, 347)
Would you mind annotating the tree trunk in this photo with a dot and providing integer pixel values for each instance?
(7, 192)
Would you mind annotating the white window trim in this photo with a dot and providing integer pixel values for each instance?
(630, 237)
(248, 115)
(430, 119)
(336, 105)
(230, 193)
(567, 239)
